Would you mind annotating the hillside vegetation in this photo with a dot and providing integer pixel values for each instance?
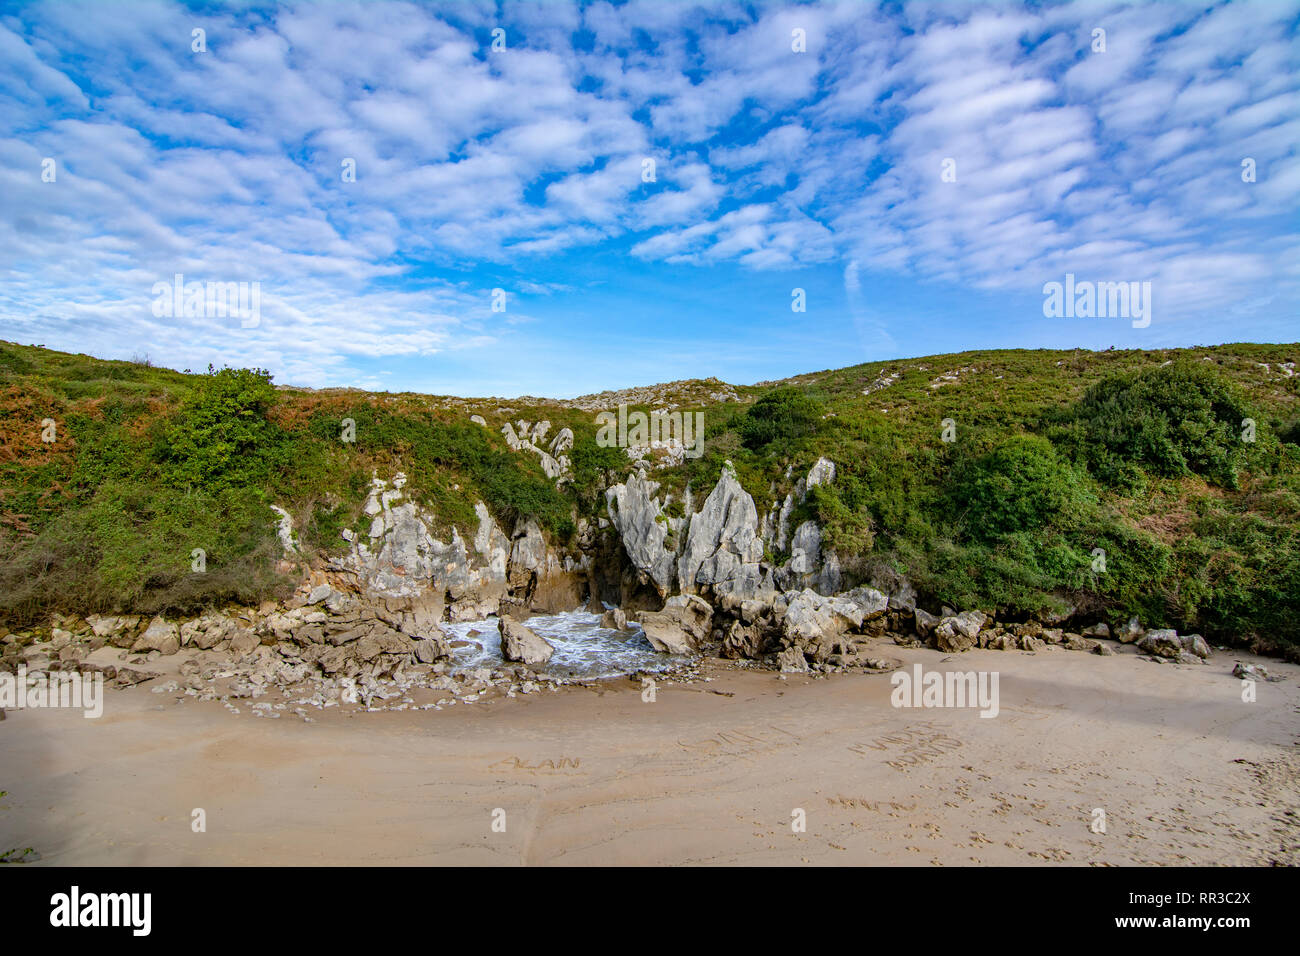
(1163, 483)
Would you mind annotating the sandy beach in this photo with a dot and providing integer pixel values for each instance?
(710, 772)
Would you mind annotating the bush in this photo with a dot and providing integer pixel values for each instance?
(1172, 421)
(594, 466)
(778, 420)
(220, 436)
(841, 511)
(130, 548)
(1022, 485)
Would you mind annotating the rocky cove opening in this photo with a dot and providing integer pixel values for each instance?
(584, 647)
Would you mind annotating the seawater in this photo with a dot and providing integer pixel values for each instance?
(582, 647)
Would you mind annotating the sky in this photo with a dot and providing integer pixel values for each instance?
(550, 198)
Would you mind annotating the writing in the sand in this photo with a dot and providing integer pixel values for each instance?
(910, 747)
(875, 806)
(518, 763)
(735, 742)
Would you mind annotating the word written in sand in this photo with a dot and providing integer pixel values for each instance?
(875, 806)
(518, 763)
(739, 742)
(910, 747)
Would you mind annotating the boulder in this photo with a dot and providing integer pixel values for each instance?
(681, 627)
(1161, 643)
(1129, 632)
(111, 627)
(752, 610)
(210, 630)
(812, 622)
(959, 632)
(791, 661)
(319, 593)
(1097, 630)
(742, 640)
(925, 622)
(1255, 672)
(126, 677)
(429, 651)
(667, 635)
(1170, 645)
(243, 642)
(160, 636)
(520, 643)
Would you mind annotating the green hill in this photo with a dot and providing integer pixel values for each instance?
(1161, 483)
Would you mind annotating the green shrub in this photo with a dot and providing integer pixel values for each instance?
(594, 467)
(778, 420)
(1171, 421)
(1021, 486)
(220, 437)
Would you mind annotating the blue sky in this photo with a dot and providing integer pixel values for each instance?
(522, 169)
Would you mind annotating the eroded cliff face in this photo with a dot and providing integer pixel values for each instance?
(398, 561)
(639, 521)
(723, 549)
(720, 550)
(652, 565)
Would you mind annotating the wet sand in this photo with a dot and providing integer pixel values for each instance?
(708, 773)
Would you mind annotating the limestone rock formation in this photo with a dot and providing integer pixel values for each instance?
(723, 549)
(520, 643)
(399, 558)
(639, 519)
(959, 632)
(681, 627)
(160, 636)
(812, 621)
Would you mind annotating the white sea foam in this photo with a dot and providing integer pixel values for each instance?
(582, 647)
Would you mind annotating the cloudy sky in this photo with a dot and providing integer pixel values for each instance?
(793, 146)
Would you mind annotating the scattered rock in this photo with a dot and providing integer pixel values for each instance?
(159, 636)
(1255, 672)
(791, 661)
(126, 677)
(1129, 632)
(520, 643)
(959, 633)
(1167, 643)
